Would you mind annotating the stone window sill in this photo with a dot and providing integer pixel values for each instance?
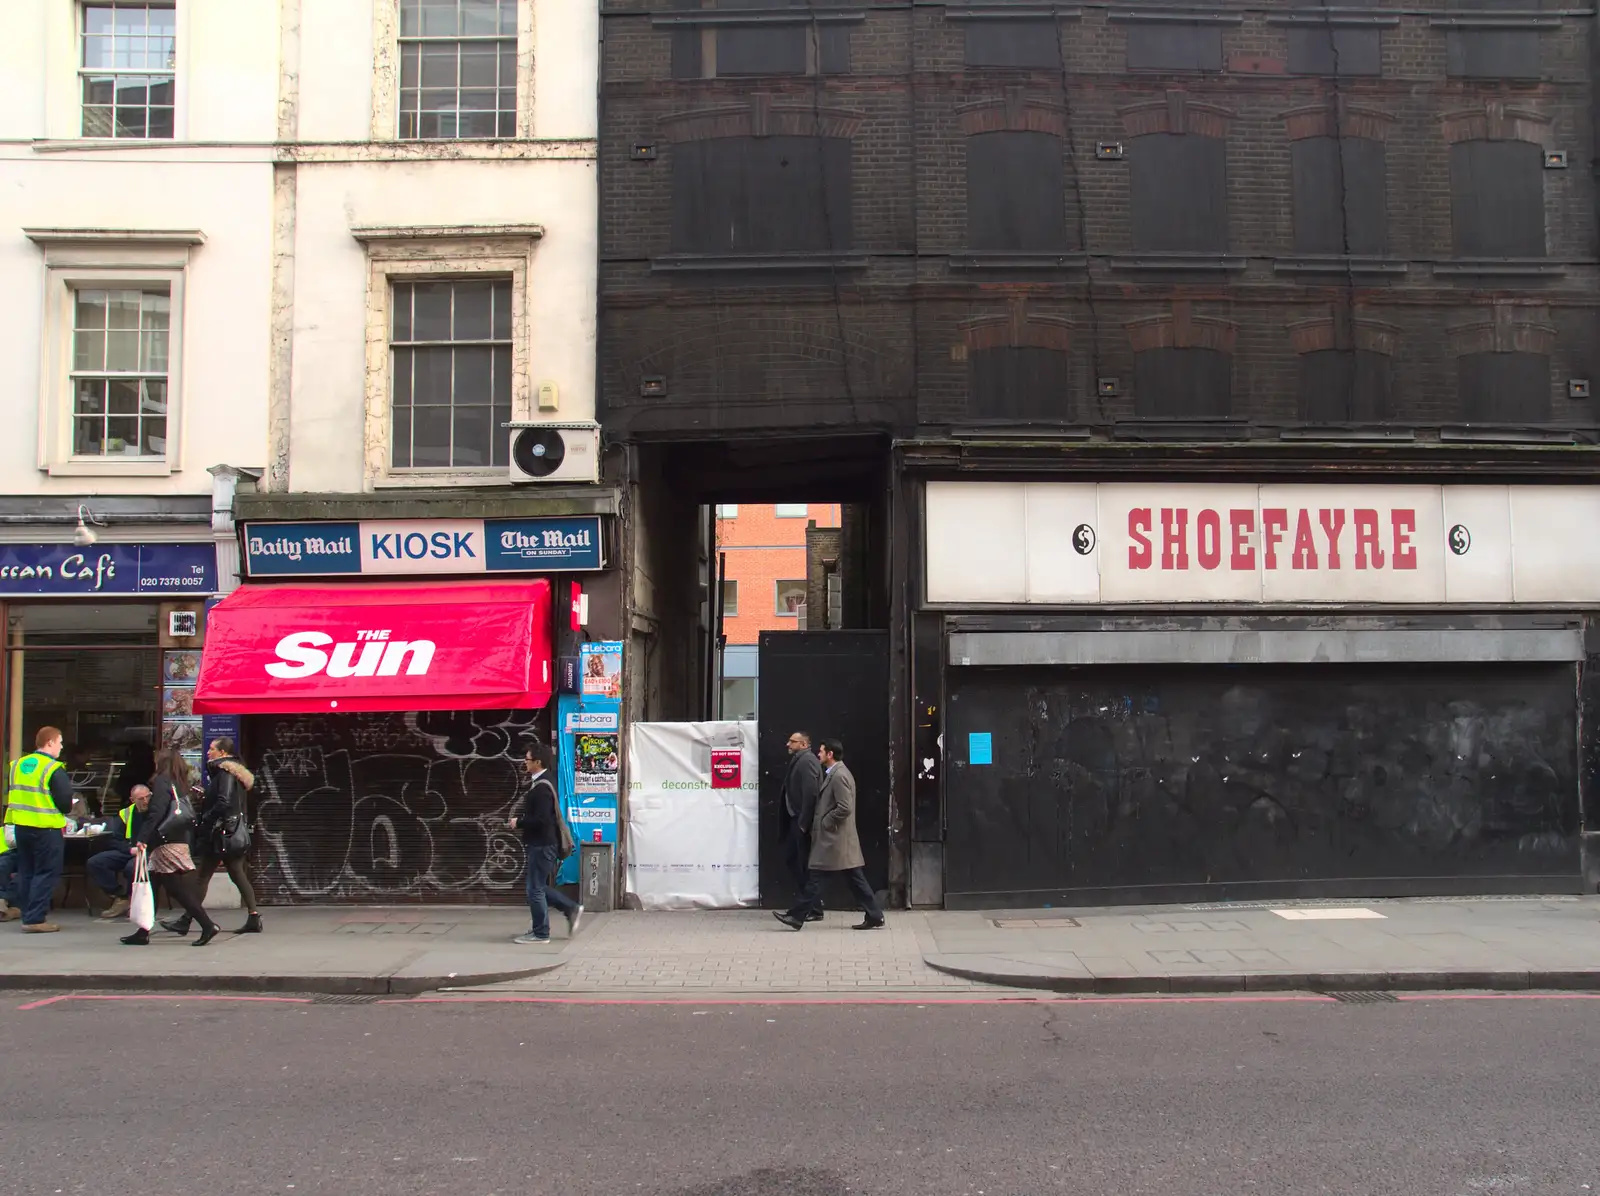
(752, 263)
(1339, 264)
(1033, 262)
(1499, 267)
(1187, 263)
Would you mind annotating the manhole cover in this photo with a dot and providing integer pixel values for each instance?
(1362, 998)
(346, 998)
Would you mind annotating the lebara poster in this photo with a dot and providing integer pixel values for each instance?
(600, 669)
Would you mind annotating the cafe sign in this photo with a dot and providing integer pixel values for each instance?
(108, 570)
(412, 547)
(1070, 544)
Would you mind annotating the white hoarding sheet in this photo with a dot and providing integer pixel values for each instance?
(692, 831)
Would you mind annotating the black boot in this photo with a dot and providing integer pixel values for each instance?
(207, 932)
(178, 926)
(139, 938)
(252, 925)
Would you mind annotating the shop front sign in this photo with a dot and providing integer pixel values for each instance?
(412, 547)
(1068, 544)
(108, 569)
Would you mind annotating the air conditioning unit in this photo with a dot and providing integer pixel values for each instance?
(554, 453)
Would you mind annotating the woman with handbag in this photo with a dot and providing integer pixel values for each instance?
(223, 836)
(163, 843)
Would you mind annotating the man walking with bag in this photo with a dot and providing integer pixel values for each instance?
(802, 781)
(548, 842)
(835, 846)
(38, 797)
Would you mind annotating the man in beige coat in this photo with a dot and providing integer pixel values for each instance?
(835, 846)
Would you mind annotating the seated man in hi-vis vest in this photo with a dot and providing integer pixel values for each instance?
(38, 797)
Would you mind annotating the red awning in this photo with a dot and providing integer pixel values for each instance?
(438, 646)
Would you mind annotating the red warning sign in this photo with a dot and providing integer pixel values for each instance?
(727, 768)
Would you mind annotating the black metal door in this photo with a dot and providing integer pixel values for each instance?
(830, 684)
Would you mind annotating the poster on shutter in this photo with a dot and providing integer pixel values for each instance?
(691, 846)
(727, 768)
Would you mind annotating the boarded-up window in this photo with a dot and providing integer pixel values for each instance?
(1339, 201)
(1504, 388)
(1034, 44)
(1328, 50)
(733, 51)
(1497, 198)
(1019, 383)
(761, 195)
(1180, 193)
(1182, 383)
(1016, 191)
(1162, 46)
(1345, 386)
(1493, 53)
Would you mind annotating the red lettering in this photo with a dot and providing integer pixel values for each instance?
(1332, 524)
(1305, 549)
(1174, 538)
(1274, 522)
(1244, 522)
(1139, 552)
(1208, 538)
(1405, 524)
(1367, 538)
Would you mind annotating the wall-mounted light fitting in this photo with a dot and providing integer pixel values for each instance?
(83, 535)
(643, 151)
(1555, 159)
(1108, 151)
(1108, 388)
(653, 386)
(1577, 388)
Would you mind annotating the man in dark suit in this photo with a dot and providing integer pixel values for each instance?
(802, 781)
(835, 846)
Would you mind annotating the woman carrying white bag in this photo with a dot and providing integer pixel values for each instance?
(162, 850)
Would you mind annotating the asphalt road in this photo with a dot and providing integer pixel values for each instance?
(1426, 1098)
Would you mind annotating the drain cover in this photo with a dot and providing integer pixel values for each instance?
(1034, 923)
(1362, 998)
(345, 998)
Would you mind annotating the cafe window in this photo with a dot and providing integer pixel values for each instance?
(95, 670)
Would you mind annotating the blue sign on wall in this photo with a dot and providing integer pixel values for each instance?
(176, 569)
(409, 547)
(302, 549)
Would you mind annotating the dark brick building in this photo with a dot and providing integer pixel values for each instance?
(854, 247)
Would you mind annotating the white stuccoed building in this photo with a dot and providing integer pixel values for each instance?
(294, 265)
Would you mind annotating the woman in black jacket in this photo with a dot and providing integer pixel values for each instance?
(166, 848)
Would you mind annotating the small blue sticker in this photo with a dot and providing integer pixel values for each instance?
(980, 748)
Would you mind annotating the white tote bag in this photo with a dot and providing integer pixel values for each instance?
(142, 903)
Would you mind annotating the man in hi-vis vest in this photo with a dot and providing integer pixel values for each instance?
(38, 796)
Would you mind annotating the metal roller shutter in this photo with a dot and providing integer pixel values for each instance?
(388, 807)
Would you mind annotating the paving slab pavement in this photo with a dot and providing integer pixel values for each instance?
(1422, 943)
(1477, 943)
(321, 949)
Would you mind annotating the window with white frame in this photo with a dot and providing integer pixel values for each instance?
(127, 68)
(120, 342)
(458, 69)
(789, 597)
(730, 599)
(789, 510)
(450, 365)
(727, 510)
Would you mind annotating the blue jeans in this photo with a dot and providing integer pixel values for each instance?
(112, 871)
(8, 877)
(40, 853)
(541, 863)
